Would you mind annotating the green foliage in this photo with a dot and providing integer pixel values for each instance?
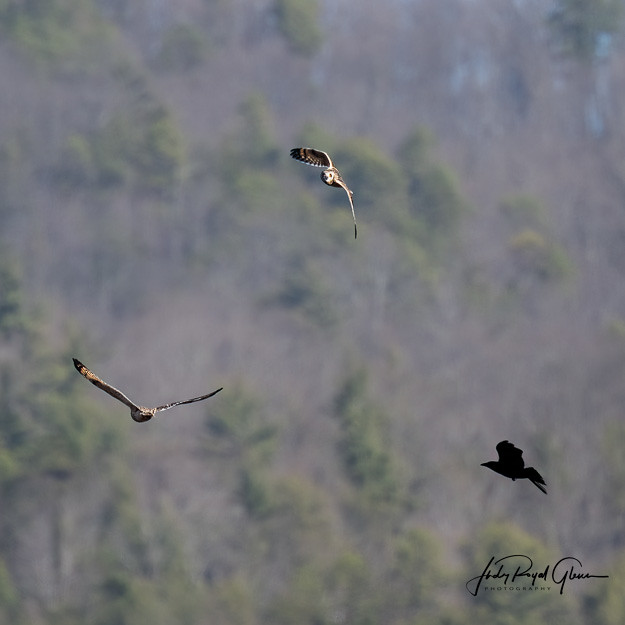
(303, 602)
(9, 464)
(124, 599)
(523, 211)
(56, 31)
(10, 608)
(605, 604)
(159, 596)
(377, 178)
(139, 145)
(14, 431)
(536, 256)
(233, 603)
(248, 158)
(415, 573)
(616, 329)
(14, 169)
(183, 48)
(435, 202)
(500, 539)
(304, 290)
(363, 445)
(579, 24)
(12, 314)
(413, 153)
(316, 596)
(169, 544)
(45, 426)
(351, 591)
(304, 504)
(255, 141)
(312, 134)
(613, 439)
(520, 608)
(50, 437)
(298, 531)
(533, 264)
(118, 598)
(298, 22)
(158, 154)
(179, 594)
(255, 493)
(64, 436)
(122, 526)
(236, 427)
(110, 147)
(77, 167)
(255, 190)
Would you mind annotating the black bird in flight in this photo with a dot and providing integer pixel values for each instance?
(330, 175)
(511, 464)
(138, 413)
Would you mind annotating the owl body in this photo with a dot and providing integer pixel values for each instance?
(140, 414)
(329, 176)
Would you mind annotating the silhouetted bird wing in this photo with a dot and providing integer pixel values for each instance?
(107, 388)
(536, 478)
(313, 157)
(187, 401)
(510, 455)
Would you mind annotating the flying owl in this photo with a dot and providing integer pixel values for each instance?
(330, 175)
(138, 413)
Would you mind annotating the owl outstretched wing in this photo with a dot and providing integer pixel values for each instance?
(107, 388)
(186, 401)
(313, 157)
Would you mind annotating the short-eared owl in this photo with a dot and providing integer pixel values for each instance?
(138, 413)
(330, 175)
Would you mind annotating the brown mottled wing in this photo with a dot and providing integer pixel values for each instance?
(313, 157)
(510, 455)
(350, 195)
(107, 388)
(187, 401)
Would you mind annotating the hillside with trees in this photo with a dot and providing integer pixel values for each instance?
(153, 225)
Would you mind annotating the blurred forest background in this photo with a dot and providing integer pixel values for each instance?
(153, 225)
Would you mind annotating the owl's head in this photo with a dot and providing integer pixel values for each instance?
(328, 176)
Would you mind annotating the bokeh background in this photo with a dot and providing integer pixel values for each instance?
(153, 225)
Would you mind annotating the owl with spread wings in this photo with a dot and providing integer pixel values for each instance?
(138, 413)
(330, 175)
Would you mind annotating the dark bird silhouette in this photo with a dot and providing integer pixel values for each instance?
(138, 413)
(511, 464)
(330, 175)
